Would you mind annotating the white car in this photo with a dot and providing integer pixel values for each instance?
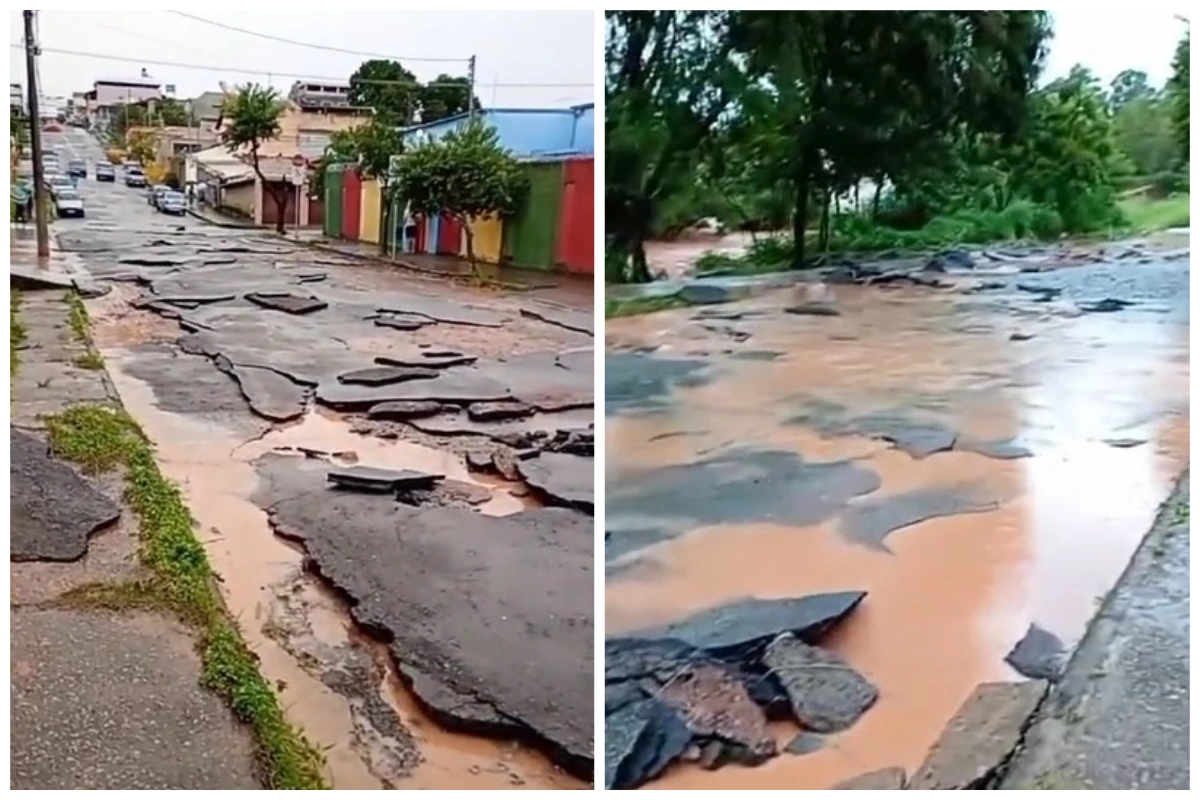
(68, 203)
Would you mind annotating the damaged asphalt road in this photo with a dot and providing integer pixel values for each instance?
(488, 618)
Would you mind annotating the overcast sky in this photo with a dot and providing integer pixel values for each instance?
(546, 47)
(512, 47)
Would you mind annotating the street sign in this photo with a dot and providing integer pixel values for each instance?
(299, 160)
(297, 175)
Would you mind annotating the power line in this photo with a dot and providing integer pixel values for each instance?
(296, 76)
(327, 48)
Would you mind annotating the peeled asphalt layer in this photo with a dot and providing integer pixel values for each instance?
(244, 331)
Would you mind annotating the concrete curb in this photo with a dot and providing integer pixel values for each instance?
(1034, 757)
(249, 226)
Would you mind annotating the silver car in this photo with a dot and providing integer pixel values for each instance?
(68, 203)
(172, 203)
(59, 183)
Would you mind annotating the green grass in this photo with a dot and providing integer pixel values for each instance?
(89, 360)
(78, 317)
(1147, 215)
(633, 306)
(1182, 514)
(101, 439)
(17, 333)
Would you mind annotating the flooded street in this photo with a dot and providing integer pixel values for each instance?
(256, 368)
(977, 463)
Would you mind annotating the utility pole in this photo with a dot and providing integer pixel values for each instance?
(35, 141)
(471, 88)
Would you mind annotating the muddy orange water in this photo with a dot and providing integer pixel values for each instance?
(213, 466)
(955, 593)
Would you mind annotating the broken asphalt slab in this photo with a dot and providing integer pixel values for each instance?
(741, 486)
(373, 479)
(561, 479)
(827, 695)
(54, 510)
(450, 589)
(737, 630)
(1039, 655)
(869, 522)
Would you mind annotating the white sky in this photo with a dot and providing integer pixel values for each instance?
(512, 47)
(1138, 36)
(545, 47)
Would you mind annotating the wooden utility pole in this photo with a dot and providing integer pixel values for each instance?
(471, 88)
(35, 141)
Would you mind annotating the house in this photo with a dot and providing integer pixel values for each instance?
(109, 95)
(205, 110)
(16, 98)
(524, 131)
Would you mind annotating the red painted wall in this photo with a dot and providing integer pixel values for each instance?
(422, 230)
(449, 236)
(351, 204)
(577, 218)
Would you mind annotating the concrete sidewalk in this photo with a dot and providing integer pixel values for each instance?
(100, 699)
(214, 217)
(1120, 717)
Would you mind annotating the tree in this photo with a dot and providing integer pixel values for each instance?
(130, 115)
(252, 118)
(140, 147)
(387, 87)
(665, 91)
(172, 112)
(444, 97)
(372, 147)
(1178, 88)
(837, 96)
(465, 175)
(1128, 86)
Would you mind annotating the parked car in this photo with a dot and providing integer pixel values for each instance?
(59, 183)
(172, 202)
(134, 176)
(77, 169)
(155, 194)
(105, 172)
(68, 203)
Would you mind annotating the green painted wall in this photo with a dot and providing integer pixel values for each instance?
(530, 234)
(332, 226)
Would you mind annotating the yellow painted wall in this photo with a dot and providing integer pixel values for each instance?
(368, 224)
(489, 234)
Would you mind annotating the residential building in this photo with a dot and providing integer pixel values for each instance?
(109, 95)
(206, 110)
(526, 132)
(16, 97)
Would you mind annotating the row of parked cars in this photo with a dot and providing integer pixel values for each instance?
(62, 187)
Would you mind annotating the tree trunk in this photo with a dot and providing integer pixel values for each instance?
(470, 247)
(800, 219)
(875, 199)
(385, 233)
(823, 236)
(281, 204)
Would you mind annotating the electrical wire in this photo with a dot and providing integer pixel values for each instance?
(326, 48)
(297, 76)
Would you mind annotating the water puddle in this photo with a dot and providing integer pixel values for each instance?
(338, 685)
(949, 596)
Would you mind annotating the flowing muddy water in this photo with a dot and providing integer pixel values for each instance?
(950, 596)
(375, 734)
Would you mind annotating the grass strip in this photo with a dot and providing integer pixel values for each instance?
(102, 439)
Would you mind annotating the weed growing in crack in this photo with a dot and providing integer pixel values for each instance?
(78, 317)
(102, 439)
(89, 360)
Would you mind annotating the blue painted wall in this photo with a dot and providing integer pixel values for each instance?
(526, 132)
(584, 137)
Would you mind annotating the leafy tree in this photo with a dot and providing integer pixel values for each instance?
(1145, 134)
(837, 96)
(172, 112)
(388, 88)
(1128, 86)
(465, 175)
(130, 115)
(444, 97)
(252, 118)
(372, 147)
(1178, 88)
(140, 147)
(665, 90)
